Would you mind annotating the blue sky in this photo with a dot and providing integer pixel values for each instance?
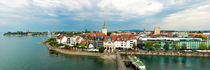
(78, 15)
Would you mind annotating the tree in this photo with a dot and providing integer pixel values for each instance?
(101, 49)
(109, 33)
(53, 43)
(149, 45)
(82, 46)
(203, 46)
(86, 31)
(209, 47)
(134, 45)
(166, 46)
(67, 46)
(157, 46)
(184, 46)
(174, 45)
(200, 36)
(51, 39)
(76, 45)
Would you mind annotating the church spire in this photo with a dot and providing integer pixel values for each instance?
(104, 26)
(104, 30)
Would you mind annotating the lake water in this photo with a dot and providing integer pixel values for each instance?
(25, 53)
(176, 63)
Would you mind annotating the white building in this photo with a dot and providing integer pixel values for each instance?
(124, 41)
(109, 44)
(170, 39)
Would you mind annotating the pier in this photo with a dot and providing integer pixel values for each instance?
(120, 63)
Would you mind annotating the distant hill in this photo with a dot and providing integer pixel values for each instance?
(135, 30)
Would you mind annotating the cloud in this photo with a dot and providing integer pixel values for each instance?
(131, 7)
(189, 19)
(71, 5)
(14, 3)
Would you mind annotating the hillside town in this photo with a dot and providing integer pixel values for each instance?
(145, 40)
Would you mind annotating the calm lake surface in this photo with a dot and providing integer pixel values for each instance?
(25, 53)
(176, 63)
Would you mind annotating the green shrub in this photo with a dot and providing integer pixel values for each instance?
(67, 46)
(101, 49)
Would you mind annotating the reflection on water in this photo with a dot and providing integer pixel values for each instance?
(24, 53)
(175, 63)
(53, 53)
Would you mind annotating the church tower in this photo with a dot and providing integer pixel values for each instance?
(104, 30)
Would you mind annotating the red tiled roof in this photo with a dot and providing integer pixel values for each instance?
(123, 37)
(95, 34)
(106, 38)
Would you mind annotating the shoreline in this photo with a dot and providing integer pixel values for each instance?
(107, 56)
(167, 54)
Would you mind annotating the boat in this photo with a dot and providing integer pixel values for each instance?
(137, 62)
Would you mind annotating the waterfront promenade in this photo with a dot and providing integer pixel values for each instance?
(164, 53)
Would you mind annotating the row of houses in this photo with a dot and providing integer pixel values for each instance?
(126, 40)
(96, 40)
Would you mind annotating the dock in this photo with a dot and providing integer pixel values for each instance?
(120, 63)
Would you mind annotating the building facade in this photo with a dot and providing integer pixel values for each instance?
(157, 31)
(191, 43)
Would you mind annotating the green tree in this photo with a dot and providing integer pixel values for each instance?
(157, 46)
(67, 46)
(134, 45)
(83, 47)
(174, 45)
(166, 46)
(51, 39)
(149, 45)
(101, 49)
(76, 45)
(86, 31)
(184, 46)
(53, 43)
(19, 32)
(209, 47)
(109, 33)
(200, 36)
(203, 46)
(59, 44)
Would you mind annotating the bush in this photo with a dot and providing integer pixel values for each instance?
(101, 49)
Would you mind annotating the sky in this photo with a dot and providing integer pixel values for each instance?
(78, 15)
